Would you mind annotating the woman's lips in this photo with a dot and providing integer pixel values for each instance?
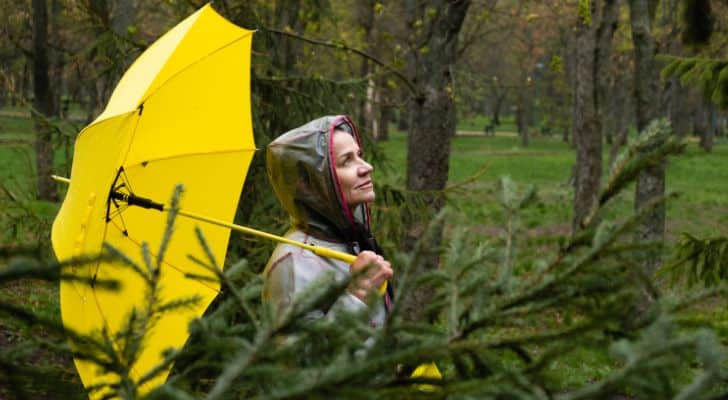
(365, 185)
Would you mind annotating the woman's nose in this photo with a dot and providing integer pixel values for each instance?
(365, 168)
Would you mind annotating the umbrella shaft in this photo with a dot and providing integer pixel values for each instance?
(144, 202)
(322, 251)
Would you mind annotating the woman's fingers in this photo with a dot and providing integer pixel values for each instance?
(383, 271)
(376, 269)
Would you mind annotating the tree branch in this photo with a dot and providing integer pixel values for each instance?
(344, 47)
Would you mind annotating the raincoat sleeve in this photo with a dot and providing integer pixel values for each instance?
(292, 273)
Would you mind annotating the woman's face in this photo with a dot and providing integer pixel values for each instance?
(355, 174)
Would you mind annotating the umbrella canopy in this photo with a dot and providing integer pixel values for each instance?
(180, 114)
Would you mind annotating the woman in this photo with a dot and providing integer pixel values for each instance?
(321, 180)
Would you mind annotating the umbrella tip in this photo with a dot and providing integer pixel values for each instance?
(60, 179)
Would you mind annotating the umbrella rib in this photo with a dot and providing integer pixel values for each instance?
(133, 134)
(122, 228)
(188, 66)
(202, 153)
(93, 290)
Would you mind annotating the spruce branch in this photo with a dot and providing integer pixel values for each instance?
(222, 277)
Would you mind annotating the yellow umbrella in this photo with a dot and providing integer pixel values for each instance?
(180, 114)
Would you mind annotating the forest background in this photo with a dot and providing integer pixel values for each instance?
(520, 128)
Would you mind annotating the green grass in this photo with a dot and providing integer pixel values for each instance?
(477, 123)
(16, 152)
(700, 179)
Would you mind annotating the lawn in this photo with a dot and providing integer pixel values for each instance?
(699, 178)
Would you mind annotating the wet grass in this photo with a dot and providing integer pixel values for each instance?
(699, 178)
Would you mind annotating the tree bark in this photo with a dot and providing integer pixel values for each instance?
(496, 99)
(570, 70)
(385, 115)
(607, 25)
(43, 103)
(651, 181)
(56, 58)
(674, 95)
(497, 104)
(522, 112)
(365, 17)
(710, 126)
(620, 107)
(431, 117)
(99, 14)
(679, 108)
(587, 133)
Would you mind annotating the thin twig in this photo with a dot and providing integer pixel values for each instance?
(344, 47)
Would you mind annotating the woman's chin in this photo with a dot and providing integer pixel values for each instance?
(367, 199)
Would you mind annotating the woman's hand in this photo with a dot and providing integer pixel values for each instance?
(370, 271)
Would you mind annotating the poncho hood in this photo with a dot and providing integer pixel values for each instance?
(305, 181)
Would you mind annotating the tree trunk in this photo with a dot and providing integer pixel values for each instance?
(365, 17)
(587, 133)
(620, 106)
(570, 71)
(651, 181)
(607, 25)
(43, 103)
(403, 119)
(432, 117)
(99, 13)
(710, 127)
(385, 115)
(56, 58)
(497, 104)
(523, 109)
(679, 108)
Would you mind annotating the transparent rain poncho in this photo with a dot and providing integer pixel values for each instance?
(305, 182)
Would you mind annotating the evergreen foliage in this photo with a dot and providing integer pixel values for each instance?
(709, 75)
(502, 325)
(700, 261)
